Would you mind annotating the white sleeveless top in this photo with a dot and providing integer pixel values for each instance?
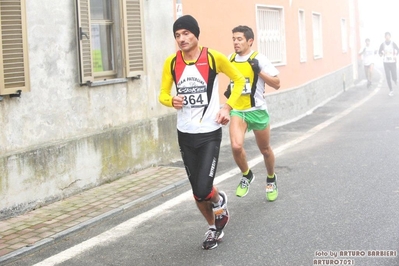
(199, 111)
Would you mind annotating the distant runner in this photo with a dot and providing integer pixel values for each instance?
(367, 53)
(389, 51)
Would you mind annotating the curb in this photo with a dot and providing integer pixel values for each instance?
(12, 256)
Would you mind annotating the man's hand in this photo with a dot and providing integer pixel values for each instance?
(177, 102)
(223, 116)
(255, 65)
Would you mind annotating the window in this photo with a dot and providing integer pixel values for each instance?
(110, 40)
(14, 65)
(302, 36)
(344, 35)
(271, 33)
(317, 37)
(102, 34)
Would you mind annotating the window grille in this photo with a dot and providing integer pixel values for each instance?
(317, 36)
(271, 34)
(302, 36)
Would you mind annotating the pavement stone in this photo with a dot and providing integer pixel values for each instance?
(30, 231)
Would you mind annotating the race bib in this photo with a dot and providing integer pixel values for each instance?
(390, 59)
(247, 87)
(195, 99)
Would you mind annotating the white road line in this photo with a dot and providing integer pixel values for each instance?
(128, 226)
(114, 233)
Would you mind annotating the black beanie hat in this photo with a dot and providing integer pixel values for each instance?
(187, 22)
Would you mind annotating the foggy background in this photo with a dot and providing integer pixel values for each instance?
(376, 18)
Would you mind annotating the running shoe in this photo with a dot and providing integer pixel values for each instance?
(221, 213)
(390, 93)
(243, 186)
(210, 241)
(219, 235)
(271, 189)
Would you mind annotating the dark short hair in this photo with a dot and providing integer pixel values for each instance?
(387, 33)
(367, 40)
(248, 33)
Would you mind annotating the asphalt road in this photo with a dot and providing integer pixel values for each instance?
(338, 201)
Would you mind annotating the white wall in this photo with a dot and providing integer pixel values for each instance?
(62, 137)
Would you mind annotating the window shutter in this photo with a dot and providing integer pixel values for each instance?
(84, 42)
(14, 65)
(133, 33)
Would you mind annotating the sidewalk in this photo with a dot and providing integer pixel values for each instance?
(28, 232)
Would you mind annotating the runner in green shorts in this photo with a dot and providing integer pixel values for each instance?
(256, 120)
(250, 111)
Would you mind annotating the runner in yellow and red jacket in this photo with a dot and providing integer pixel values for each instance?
(194, 71)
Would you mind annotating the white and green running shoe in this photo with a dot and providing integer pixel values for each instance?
(243, 186)
(272, 190)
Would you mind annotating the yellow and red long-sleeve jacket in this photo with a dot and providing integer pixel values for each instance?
(198, 80)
